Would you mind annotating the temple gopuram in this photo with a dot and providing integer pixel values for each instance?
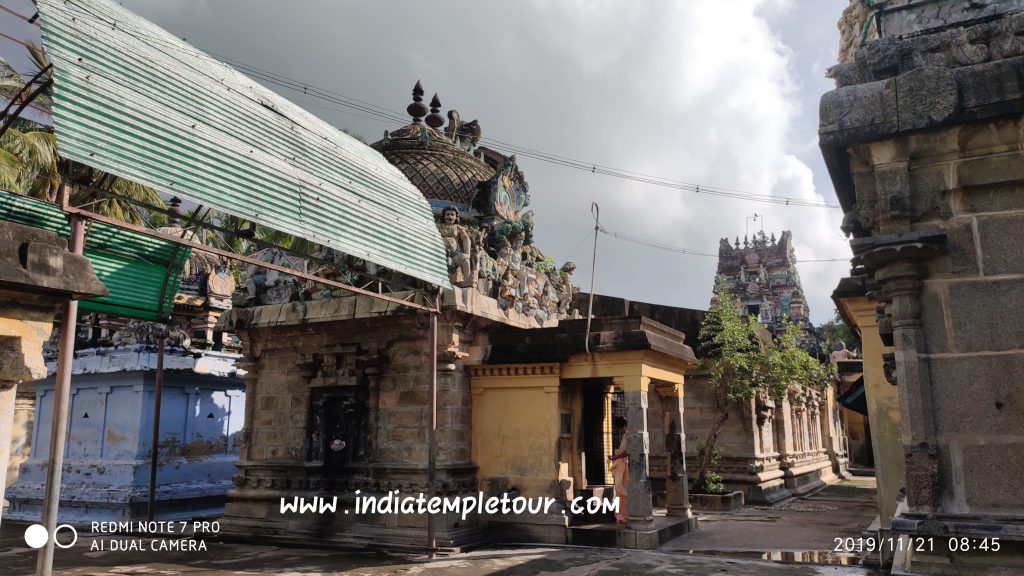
(762, 275)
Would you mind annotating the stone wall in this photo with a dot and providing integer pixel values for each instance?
(967, 181)
(924, 140)
(21, 430)
(318, 373)
(770, 450)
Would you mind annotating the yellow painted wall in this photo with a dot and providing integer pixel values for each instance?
(516, 413)
(515, 426)
(883, 409)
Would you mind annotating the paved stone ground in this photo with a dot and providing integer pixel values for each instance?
(222, 560)
(809, 525)
(727, 544)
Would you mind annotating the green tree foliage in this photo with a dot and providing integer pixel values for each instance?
(743, 361)
(30, 163)
(240, 235)
(713, 483)
(834, 331)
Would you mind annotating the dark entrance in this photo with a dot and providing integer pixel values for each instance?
(338, 425)
(598, 446)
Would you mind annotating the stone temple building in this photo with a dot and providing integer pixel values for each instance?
(922, 137)
(110, 426)
(339, 386)
(770, 450)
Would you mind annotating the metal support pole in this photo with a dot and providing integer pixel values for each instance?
(61, 405)
(596, 211)
(432, 436)
(154, 452)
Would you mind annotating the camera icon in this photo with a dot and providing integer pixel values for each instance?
(36, 536)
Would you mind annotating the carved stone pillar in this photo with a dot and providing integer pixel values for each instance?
(901, 283)
(784, 432)
(805, 419)
(640, 507)
(815, 429)
(676, 485)
(765, 412)
(798, 414)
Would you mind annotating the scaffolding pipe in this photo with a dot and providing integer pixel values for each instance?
(154, 451)
(596, 211)
(432, 436)
(61, 402)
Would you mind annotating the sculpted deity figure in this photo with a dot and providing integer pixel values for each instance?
(458, 245)
(264, 286)
(565, 288)
(508, 291)
(484, 271)
(549, 297)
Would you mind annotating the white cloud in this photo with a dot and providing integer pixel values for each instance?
(701, 91)
(707, 95)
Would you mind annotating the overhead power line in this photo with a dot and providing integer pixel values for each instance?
(378, 113)
(32, 21)
(688, 251)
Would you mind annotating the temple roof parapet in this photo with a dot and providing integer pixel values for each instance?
(480, 199)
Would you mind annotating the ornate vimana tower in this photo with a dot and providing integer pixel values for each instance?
(762, 274)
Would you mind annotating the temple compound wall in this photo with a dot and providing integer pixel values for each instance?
(770, 450)
(923, 139)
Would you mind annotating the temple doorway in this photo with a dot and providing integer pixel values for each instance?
(601, 405)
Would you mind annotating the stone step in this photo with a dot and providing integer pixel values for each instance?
(662, 530)
(606, 492)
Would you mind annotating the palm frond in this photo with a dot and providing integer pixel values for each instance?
(39, 59)
(10, 172)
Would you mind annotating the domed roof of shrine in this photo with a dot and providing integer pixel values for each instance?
(438, 163)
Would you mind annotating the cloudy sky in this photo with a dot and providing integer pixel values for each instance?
(714, 92)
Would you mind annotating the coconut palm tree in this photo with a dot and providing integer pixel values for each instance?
(30, 163)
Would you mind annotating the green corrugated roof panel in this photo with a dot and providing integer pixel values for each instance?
(135, 101)
(140, 272)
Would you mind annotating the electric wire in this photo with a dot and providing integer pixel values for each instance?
(688, 251)
(381, 113)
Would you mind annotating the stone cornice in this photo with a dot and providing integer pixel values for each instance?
(899, 85)
(514, 370)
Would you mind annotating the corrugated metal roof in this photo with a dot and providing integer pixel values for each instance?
(140, 272)
(135, 101)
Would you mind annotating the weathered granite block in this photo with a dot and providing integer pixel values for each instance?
(934, 318)
(991, 170)
(1001, 237)
(977, 308)
(1000, 135)
(963, 257)
(906, 17)
(1002, 469)
(929, 192)
(995, 386)
(1001, 197)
